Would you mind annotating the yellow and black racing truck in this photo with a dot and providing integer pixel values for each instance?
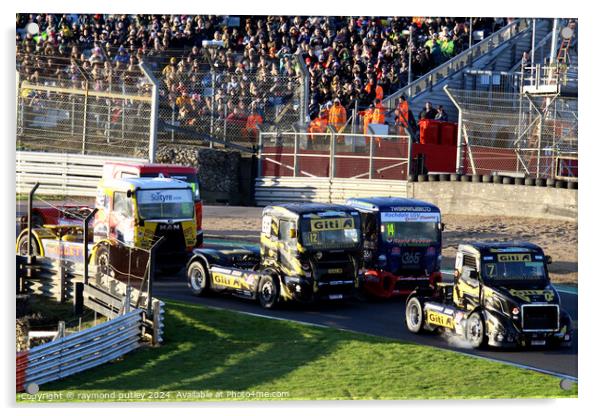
(308, 252)
(501, 296)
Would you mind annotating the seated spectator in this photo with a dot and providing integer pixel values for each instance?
(441, 114)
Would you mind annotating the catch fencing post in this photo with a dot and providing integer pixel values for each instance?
(259, 152)
(154, 118)
(29, 220)
(151, 273)
(86, 236)
(459, 168)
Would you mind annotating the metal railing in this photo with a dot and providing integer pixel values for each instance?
(86, 114)
(334, 155)
(80, 351)
(458, 62)
(61, 173)
(511, 132)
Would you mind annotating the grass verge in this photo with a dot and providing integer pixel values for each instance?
(214, 355)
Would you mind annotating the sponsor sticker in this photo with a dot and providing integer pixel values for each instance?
(330, 224)
(439, 319)
(410, 217)
(514, 258)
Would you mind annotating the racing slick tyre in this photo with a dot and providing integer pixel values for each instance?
(414, 315)
(475, 331)
(24, 244)
(268, 291)
(198, 279)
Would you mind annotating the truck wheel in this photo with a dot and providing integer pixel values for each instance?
(103, 263)
(268, 291)
(197, 278)
(414, 315)
(24, 244)
(475, 331)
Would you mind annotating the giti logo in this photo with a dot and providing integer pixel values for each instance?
(509, 258)
(327, 224)
(228, 281)
(439, 319)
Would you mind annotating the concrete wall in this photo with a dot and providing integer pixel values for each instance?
(498, 199)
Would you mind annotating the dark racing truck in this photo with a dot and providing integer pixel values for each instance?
(402, 244)
(501, 296)
(307, 252)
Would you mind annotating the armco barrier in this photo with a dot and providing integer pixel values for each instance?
(272, 190)
(61, 173)
(80, 351)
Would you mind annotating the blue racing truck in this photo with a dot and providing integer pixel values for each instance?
(402, 244)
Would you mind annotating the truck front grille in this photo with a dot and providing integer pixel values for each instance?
(540, 317)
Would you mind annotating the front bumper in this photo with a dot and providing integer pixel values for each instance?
(306, 289)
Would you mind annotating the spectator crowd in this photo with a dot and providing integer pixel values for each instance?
(250, 74)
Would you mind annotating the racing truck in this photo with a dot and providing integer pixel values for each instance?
(501, 296)
(135, 212)
(188, 174)
(308, 252)
(402, 244)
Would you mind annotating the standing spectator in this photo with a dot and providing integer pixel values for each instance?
(254, 121)
(428, 112)
(337, 116)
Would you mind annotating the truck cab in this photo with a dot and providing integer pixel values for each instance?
(402, 244)
(139, 211)
(307, 252)
(501, 296)
(188, 174)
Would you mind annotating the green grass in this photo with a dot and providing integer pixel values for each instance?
(209, 352)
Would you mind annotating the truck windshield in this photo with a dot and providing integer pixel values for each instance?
(330, 233)
(168, 204)
(517, 267)
(409, 228)
(190, 178)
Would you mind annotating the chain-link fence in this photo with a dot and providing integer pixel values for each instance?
(230, 106)
(521, 133)
(64, 107)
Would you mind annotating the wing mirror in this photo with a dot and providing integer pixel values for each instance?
(548, 259)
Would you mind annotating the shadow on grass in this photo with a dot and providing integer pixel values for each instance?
(234, 352)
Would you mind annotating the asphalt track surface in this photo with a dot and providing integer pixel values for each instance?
(376, 317)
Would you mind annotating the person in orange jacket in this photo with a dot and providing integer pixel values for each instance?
(367, 119)
(254, 120)
(402, 115)
(337, 115)
(378, 116)
(318, 125)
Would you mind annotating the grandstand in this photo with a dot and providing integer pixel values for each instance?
(266, 85)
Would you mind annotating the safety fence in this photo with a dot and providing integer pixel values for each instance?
(228, 105)
(334, 155)
(332, 190)
(530, 135)
(76, 111)
(66, 174)
(80, 351)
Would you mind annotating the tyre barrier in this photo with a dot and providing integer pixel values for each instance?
(497, 179)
